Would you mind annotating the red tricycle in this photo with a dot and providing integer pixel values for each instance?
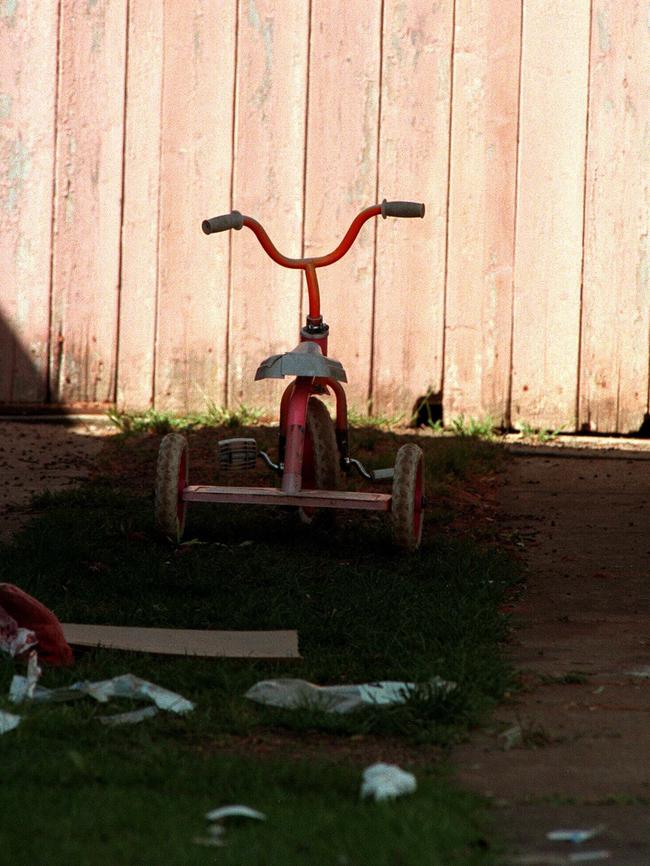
(313, 450)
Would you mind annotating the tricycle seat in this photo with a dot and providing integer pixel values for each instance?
(306, 359)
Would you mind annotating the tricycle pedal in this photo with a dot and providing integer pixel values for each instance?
(369, 474)
(237, 454)
(383, 474)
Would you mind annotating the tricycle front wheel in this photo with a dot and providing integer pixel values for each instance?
(320, 462)
(172, 472)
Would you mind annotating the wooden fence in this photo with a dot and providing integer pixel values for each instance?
(523, 126)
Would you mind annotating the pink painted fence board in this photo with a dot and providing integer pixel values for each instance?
(522, 294)
(413, 165)
(196, 158)
(28, 58)
(140, 226)
(90, 139)
(616, 312)
(268, 185)
(341, 175)
(548, 256)
(481, 208)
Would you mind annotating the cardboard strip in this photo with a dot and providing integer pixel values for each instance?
(193, 642)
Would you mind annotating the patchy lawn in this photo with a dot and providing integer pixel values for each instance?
(362, 611)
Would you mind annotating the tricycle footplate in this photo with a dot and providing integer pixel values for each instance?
(274, 496)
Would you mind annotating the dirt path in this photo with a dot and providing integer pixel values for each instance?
(583, 625)
(35, 457)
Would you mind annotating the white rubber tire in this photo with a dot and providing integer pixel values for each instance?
(407, 506)
(172, 470)
(325, 457)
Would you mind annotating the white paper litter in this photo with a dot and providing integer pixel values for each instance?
(131, 718)
(129, 686)
(293, 693)
(41, 694)
(237, 811)
(575, 836)
(13, 639)
(125, 686)
(8, 721)
(216, 830)
(386, 781)
(23, 688)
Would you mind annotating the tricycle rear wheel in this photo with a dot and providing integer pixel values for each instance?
(172, 472)
(407, 506)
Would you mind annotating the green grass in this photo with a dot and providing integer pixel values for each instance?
(118, 798)
(380, 421)
(159, 421)
(473, 428)
(362, 611)
(156, 421)
(538, 434)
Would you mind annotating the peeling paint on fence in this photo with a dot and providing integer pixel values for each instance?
(124, 124)
(615, 309)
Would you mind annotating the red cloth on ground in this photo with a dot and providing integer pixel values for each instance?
(53, 649)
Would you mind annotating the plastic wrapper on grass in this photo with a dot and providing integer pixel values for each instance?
(216, 830)
(125, 686)
(386, 782)
(577, 837)
(8, 721)
(296, 694)
(236, 811)
(23, 688)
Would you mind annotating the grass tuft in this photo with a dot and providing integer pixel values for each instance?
(539, 434)
(474, 428)
(155, 421)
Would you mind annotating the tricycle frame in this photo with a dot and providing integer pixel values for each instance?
(406, 504)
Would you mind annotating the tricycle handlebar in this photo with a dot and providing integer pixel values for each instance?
(235, 220)
(232, 220)
(402, 209)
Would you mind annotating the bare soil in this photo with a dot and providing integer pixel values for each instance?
(581, 520)
(35, 457)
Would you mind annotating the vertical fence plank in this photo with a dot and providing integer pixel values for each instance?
(342, 173)
(139, 279)
(28, 39)
(88, 200)
(197, 112)
(548, 254)
(616, 294)
(273, 42)
(413, 165)
(482, 208)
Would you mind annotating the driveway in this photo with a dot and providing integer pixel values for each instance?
(578, 749)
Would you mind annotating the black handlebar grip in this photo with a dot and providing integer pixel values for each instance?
(401, 209)
(233, 220)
